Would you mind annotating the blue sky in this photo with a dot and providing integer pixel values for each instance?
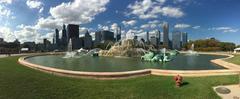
(33, 20)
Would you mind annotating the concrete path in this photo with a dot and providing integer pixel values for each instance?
(5, 55)
(234, 94)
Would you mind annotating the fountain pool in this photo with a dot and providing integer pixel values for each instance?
(113, 64)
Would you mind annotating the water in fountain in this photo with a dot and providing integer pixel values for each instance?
(70, 53)
(191, 51)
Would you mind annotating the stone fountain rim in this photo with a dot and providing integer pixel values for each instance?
(231, 70)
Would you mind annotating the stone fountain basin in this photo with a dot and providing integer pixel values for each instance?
(123, 74)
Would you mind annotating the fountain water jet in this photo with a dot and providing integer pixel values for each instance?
(128, 47)
(191, 51)
(70, 53)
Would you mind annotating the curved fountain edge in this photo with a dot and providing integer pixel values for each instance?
(232, 69)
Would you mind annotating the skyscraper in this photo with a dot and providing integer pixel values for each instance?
(147, 39)
(57, 40)
(165, 35)
(184, 38)
(118, 37)
(64, 37)
(98, 37)
(107, 36)
(158, 36)
(154, 40)
(176, 40)
(73, 34)
(88, 41)
(103, 36)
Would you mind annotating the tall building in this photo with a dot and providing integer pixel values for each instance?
(73, 34)
(158, 36)
(98, 37)
(184, 38)
(107, 36)
(165, 35)
(64, 40)
(103, 36)
(154, 40)
(147, 39)
(47, 45)
(1, 40)
(176, 40)
(88, 41)
(119, 33)
(57, 40)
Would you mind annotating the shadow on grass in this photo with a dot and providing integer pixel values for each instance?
(184, 84)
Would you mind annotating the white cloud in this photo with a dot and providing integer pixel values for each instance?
(26, 33)
(7, 34)
(172, 12)
(196, 27)
(179, 1)
(225, 29)
(82, 31)
(78, 11)
(5, 12)
(102, 27)
(41, 10)
(182, 26)
(129, 23)
(151, 24)
(147, 9)
(48, 23)
(35, 4)
(114, 26)
(6, 1)
(161, 1)
(139, 32)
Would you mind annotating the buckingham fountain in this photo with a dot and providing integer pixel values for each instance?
(128, 47)
(131, 47)
(128, 54)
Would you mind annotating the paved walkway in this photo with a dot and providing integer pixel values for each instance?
(234, 94)
(2, 56)
(5, 55)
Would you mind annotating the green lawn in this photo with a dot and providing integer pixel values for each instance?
(19, 82)
(235, 59)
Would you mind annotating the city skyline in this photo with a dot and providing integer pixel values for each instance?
(34, 20)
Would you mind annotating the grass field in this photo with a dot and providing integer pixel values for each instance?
(235, 59)
(19, 82)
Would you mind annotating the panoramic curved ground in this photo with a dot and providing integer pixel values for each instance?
(20, 82)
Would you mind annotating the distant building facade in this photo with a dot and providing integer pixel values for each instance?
(64, 40)
(147, 39)
(88, 43)
(166, 34)
(176, 40)
(184, 38)
(73, 34)
(154, 40)
(57, 40)
(103, 36)
(158, 36)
